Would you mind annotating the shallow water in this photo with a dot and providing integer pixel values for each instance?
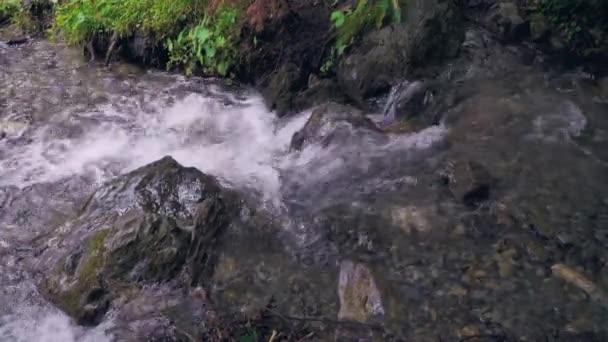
(67, 127)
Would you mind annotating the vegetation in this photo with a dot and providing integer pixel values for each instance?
(198, 35)
(574, 17)
(17, 13)
(202, 35)
(191, 42)
(351, 24)
(8, 9)
(79, 20)
(211, 44)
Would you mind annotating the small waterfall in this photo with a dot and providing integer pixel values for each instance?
(403, 92)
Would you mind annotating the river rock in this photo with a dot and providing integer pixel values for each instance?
(429, 34)
(333, 122)
(468, 181)
(411, 219)
(282, 88)
(142, 227)
(140, 46)
(504, 20)
(360, 297)
(540, 28)
(412, 102)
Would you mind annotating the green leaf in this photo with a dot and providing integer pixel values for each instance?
(202, 34)
(338, 18)
(80, 18)
(222, 68)
(200, 56)
(340, 49)
(220, 41)
(210, 51)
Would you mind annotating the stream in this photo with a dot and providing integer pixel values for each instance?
(444, 265)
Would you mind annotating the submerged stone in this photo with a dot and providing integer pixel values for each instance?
(360, 298)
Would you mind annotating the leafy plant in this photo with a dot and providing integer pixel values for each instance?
(20, 13)
(351, 24)
(80, 20)
(9, 8)
(211, 44)
(574, 17)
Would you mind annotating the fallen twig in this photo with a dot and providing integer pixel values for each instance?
(579, 280)
(274, 335)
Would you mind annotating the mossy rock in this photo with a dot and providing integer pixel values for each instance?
(82, 295)
(143, 228)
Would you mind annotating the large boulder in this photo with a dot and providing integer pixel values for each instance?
(143, 227)
(431, 32)
(414, 104)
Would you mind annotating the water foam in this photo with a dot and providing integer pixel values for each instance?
(239, 143)
(48, 325)
(237, 140)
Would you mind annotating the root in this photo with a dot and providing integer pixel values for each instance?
(91, 50)
(113, 43)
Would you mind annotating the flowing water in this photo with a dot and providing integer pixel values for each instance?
(66, 127)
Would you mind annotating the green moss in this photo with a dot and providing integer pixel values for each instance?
(86, 278)
(94, 256)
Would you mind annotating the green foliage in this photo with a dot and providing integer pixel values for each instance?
(160, 16)
(350, 25)
(251, 336)
(9, 8)
(91, 264)
(573, 17)
(19, 13)
(79, 20)
(211, 44)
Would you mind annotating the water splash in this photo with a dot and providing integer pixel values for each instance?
(47, 325)
(240, 142)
